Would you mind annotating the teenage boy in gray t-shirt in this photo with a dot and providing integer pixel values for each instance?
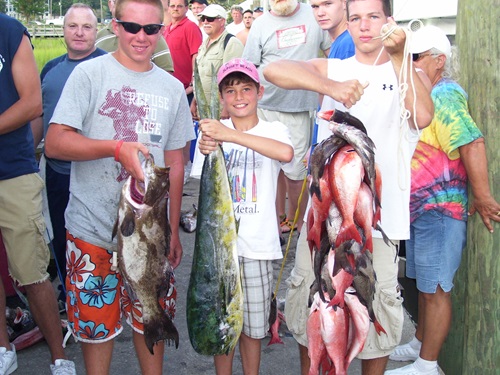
(117, 105)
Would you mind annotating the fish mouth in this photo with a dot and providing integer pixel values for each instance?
(326, 115)
(137, 191)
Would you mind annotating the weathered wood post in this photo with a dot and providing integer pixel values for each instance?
(473, 345)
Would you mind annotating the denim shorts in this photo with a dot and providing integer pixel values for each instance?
(434, 250)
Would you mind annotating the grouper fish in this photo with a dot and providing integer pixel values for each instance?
(215, 296)
(143, 234)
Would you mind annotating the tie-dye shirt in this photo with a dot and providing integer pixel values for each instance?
(439, 179)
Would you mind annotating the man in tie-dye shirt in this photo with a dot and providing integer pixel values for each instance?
(450, 153)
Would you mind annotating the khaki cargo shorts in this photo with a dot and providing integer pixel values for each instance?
(387, 304)
(23, 228)
(297, 295)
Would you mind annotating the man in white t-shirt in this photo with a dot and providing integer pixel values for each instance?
(367, 84)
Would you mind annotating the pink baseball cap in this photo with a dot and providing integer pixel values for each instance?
(238, 65)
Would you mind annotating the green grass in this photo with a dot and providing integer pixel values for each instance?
(46, 49)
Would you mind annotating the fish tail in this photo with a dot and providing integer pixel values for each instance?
(160, 328)
(369, 245)
(346, 233)
(378, 327)
(337, 300)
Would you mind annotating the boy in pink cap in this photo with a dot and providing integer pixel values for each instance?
(255, 150)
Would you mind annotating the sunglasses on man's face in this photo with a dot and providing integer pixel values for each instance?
(134, 28)
(419, 56)
(208, 19)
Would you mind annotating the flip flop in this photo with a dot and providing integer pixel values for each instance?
(285, 225)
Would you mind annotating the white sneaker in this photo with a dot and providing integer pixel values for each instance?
(404, 353)
(411, 370)
(63, 367)
(8, 360)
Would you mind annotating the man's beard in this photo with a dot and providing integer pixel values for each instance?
(283, 8)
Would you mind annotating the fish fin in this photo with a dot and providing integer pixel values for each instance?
(158, 329)
(386, 239)
(237, 222)
(314, 189)
(115, 230)
(128, 224)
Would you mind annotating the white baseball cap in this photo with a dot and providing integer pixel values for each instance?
(215, 11)
(429, 37)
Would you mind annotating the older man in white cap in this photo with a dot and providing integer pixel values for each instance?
(217, 49)
(450, 153)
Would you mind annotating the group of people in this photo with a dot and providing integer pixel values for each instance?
(101, 113)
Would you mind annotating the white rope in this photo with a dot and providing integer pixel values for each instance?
(405, 114)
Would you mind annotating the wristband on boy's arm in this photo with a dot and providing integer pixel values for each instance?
(117, 149)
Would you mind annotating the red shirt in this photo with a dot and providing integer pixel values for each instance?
(184, 40)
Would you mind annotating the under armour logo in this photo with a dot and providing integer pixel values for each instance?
(384, 86)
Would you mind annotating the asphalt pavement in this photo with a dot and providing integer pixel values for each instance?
(276, 359)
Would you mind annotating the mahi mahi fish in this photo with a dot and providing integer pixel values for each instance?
(215, 296)
(143, 233)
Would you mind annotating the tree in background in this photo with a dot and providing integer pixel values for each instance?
(29, 9)
(3, 6)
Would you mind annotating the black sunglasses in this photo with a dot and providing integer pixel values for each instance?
(134, 28)
(208, 19)
(259, 9)
(417, 56)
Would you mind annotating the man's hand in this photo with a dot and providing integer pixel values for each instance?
(489, 209)
(128, 156)
(348, 92)
(394, 43)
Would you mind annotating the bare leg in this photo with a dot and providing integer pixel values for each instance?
(224, 364)
(281, 195)
(43, 306)
(4, 336)
(97, 357)
(250, 354)
(437, 322)
(294, 190)
(150, 364)
(305, 361)
(186, 153)
(419, 333)
(375, 366)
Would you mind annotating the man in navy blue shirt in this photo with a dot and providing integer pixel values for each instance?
(80, 33)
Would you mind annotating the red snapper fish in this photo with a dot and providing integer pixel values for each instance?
(316, 347)
(275, 318)
(348, 170)
(335, 334)
(361, 325)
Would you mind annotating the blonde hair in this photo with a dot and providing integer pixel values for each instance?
(120, 4)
